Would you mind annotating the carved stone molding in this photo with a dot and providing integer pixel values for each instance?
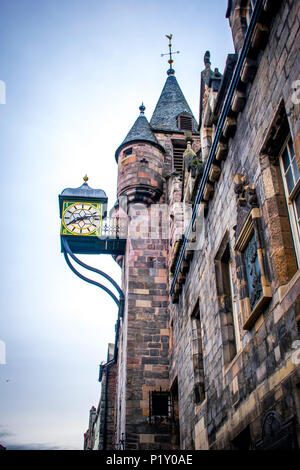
(246, 195)
(277, 435)
(254, 283)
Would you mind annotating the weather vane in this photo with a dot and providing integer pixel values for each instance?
(171, 71)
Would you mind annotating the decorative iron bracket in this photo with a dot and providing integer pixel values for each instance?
(67, 251)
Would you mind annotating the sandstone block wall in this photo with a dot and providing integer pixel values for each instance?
(262, 376)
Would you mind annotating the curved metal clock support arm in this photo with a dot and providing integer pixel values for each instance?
(90, 281)
(120, 303)
(90, 268)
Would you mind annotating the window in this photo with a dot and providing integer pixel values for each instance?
(291, 183)
(175, 411)
(234, 309)
(171, 337)
(243, 441)
(185, 123)
(128, 152)
(278, 156)
(179, 147)
(199, 391)
(298, 325)
(159, 405)
(227, 304)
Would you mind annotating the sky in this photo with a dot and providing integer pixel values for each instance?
(76, 72)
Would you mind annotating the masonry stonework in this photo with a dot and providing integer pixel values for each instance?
(208, 342)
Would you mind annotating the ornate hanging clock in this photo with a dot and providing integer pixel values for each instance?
(82, 211)
(84, 224)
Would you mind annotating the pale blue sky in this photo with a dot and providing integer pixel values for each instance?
(76, 72)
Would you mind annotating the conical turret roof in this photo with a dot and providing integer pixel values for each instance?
(140, 132)
(170, 104)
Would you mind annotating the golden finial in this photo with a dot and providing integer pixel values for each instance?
(85, 179)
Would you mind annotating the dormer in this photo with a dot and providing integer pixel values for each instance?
(185, 122)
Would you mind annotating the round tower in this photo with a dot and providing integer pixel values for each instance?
(140, 163)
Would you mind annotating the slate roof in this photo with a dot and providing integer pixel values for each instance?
(170, 104)
(140, 132)
(84, 191)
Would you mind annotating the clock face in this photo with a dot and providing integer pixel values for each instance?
(81, 218)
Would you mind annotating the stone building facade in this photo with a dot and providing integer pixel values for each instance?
(208, 346)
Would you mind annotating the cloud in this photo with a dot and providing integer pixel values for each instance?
(4, 432)
(33, 447)
(8, 440)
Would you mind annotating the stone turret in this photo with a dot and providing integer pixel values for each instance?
(147, 158)
(140, 159)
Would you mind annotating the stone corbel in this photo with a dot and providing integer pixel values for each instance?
(221, 152)
(248, 70)
(229, 127)
(246, 194)
(260, 36)
(214, 173)
(238, 101)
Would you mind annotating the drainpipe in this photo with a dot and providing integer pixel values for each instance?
(225, 109)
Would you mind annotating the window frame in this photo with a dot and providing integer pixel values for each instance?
(178, 149)
(197, 355)
(225, 290)
(159, 417)
(238, 343)
(128, 152)
(291, 197)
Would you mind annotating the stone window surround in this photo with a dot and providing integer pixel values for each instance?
(252, 225)
(277, 136)
(160, 400)
(228, 354)
(197, 355)
(171, 336)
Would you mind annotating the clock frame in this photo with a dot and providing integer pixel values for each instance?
(81, 218)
